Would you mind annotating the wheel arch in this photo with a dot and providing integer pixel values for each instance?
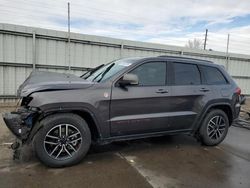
(225, 107)
(87, 115)
(92, 123)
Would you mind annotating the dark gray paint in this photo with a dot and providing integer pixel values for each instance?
(131, 112)
(143, 102)
(42, 81)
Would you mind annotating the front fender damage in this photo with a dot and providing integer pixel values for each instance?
(20, 123)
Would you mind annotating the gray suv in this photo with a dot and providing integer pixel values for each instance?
(61, 115)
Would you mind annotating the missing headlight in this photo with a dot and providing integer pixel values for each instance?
(26, 101)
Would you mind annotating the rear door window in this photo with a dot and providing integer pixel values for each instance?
(213, 76)
(186, 74)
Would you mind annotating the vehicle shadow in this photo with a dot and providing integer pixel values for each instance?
(172, 141)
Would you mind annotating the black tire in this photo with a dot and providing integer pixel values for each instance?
(212, 133)
(76, 128)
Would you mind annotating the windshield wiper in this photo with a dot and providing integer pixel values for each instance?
(90, 72)
(103, 73)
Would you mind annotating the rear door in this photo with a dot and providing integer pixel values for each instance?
(188, 95)
(141, 108)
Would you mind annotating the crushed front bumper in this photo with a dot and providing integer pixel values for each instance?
(20, 122)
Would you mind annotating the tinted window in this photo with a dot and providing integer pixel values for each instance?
(109, 70)
(151, 74)
(186, 74)
(213, 76)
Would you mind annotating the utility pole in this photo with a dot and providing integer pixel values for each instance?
(227, 55)
(69, 36)
(34, 50)
(205, 42)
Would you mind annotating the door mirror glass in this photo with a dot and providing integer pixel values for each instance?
(129, 79)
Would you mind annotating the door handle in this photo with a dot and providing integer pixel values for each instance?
(204, 90)
(162, 91)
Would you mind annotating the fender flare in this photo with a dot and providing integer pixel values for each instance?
(203, 114)
(38, 124)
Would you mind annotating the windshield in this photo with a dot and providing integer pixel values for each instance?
(109, 70)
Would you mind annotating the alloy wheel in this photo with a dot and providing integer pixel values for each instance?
(216, 127)
(62, 141)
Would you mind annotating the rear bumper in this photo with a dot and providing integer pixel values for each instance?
(237, 111)
(20, 122)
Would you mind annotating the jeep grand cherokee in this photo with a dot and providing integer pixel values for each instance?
(62, 114)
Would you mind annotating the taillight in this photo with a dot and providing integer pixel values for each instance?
(238, 91)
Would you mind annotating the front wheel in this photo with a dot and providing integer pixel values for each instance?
(63, 140)
(214, 128)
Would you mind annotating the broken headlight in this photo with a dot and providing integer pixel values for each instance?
(26, 101)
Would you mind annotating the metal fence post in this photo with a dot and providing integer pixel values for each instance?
(34, 50)
(227, 55)
(121, 52)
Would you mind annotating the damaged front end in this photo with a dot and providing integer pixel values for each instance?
(20, 122)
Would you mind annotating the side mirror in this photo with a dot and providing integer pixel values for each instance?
(129, 79)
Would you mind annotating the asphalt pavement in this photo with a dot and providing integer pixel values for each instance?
(170, 161)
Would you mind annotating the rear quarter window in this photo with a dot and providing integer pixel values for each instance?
(213, 76)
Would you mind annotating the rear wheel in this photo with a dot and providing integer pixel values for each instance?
(63, 140)
(214, 128)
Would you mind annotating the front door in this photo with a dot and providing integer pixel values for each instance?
(142, 108)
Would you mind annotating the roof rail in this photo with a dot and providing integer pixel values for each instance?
(180, 57)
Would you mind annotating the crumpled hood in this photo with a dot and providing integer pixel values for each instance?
(51, 81)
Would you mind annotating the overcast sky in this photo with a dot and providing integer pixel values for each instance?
(159, 21)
